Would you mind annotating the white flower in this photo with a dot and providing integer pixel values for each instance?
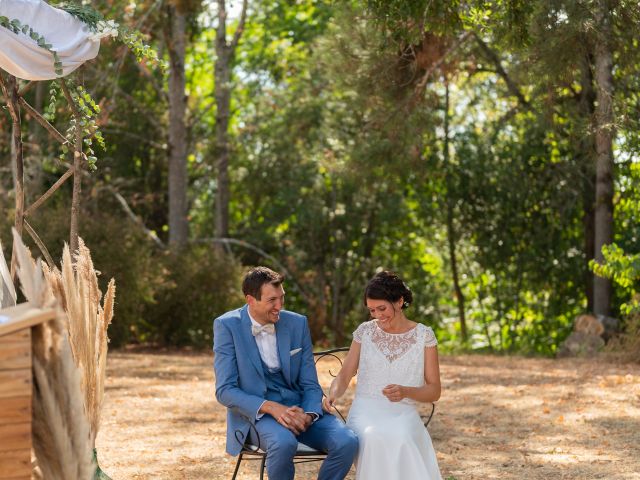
(104, 28)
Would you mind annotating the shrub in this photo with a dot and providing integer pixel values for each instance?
(199, 283)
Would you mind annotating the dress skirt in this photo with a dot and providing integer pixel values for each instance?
(393, 442)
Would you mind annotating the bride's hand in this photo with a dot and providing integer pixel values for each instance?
(327, 404)
(394, 393)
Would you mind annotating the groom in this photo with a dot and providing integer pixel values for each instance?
(265, 376)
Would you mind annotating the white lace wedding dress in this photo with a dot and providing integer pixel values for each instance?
(393, 442)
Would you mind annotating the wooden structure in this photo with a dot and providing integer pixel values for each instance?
(16, 388)
(17, 105)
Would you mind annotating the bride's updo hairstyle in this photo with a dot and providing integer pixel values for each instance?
(388, 286)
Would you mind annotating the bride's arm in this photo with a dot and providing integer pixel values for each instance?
(430, 391)
(341, 382)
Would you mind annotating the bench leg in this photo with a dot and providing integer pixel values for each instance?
(235, 472)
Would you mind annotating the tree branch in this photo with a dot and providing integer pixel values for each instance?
(39, 243)
(238, 33)
(43, 121)
(27, 87)
(511, 86)
(48, 193)
(135, 218)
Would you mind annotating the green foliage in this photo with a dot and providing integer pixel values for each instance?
(340, 166)
(87, 124)
(83, 12)
(624, 269)
(161, 298)
(135, 40)
(198, 285)
(623, 265)
(122, 252)
(50, 109)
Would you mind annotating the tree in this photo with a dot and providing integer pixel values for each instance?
(604, 126)
(177, 177)
(225, 53)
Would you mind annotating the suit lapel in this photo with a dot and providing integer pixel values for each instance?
(250, 341)
(284, 342)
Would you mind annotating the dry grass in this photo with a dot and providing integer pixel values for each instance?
(75, 287)
(60, 427)
(499, 418)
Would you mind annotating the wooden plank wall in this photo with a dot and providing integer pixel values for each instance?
(15, 405)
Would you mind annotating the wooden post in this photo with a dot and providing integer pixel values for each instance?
(10, 92)
(77, 171)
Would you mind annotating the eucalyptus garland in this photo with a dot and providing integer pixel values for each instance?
(84, 13)
(109, 28)
(87, 123)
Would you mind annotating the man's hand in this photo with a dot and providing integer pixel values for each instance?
(394, 393)
(297, 420)
(292, 418)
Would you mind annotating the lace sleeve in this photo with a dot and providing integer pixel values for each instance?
(360, 331)
(430, 338)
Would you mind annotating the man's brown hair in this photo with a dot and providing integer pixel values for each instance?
(257, 277)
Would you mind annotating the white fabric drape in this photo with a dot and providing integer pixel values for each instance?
(22, 57)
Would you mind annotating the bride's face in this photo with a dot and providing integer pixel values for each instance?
(381, 310)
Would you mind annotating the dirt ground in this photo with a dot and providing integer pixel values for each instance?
(498, 418)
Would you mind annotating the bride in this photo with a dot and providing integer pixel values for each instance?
(397, 364)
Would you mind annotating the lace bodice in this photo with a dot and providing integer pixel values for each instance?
(388, 358)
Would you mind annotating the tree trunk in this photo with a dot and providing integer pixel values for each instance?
(178, 226)
(454, 272)
(586, 163)
(604, 148)
(225, 53)
(451, 234)
(336, 278)
(222, 75)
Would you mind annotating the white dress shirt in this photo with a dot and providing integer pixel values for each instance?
(267, 346)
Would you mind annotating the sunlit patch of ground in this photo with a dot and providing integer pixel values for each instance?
(499, 418)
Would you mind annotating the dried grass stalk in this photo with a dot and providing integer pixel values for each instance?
(76, 288)
(61, 428)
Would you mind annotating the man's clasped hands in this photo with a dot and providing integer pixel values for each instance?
(292, 418)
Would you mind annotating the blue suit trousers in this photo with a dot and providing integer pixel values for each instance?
(327, 434)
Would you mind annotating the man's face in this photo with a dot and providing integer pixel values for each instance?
(267, 309)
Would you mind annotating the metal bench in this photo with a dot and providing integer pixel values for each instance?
(304, 453)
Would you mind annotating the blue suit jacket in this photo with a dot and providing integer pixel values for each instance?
(240, 384)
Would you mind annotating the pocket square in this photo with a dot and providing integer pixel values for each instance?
(294, 351)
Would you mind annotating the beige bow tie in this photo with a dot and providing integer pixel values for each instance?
(268, 328)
